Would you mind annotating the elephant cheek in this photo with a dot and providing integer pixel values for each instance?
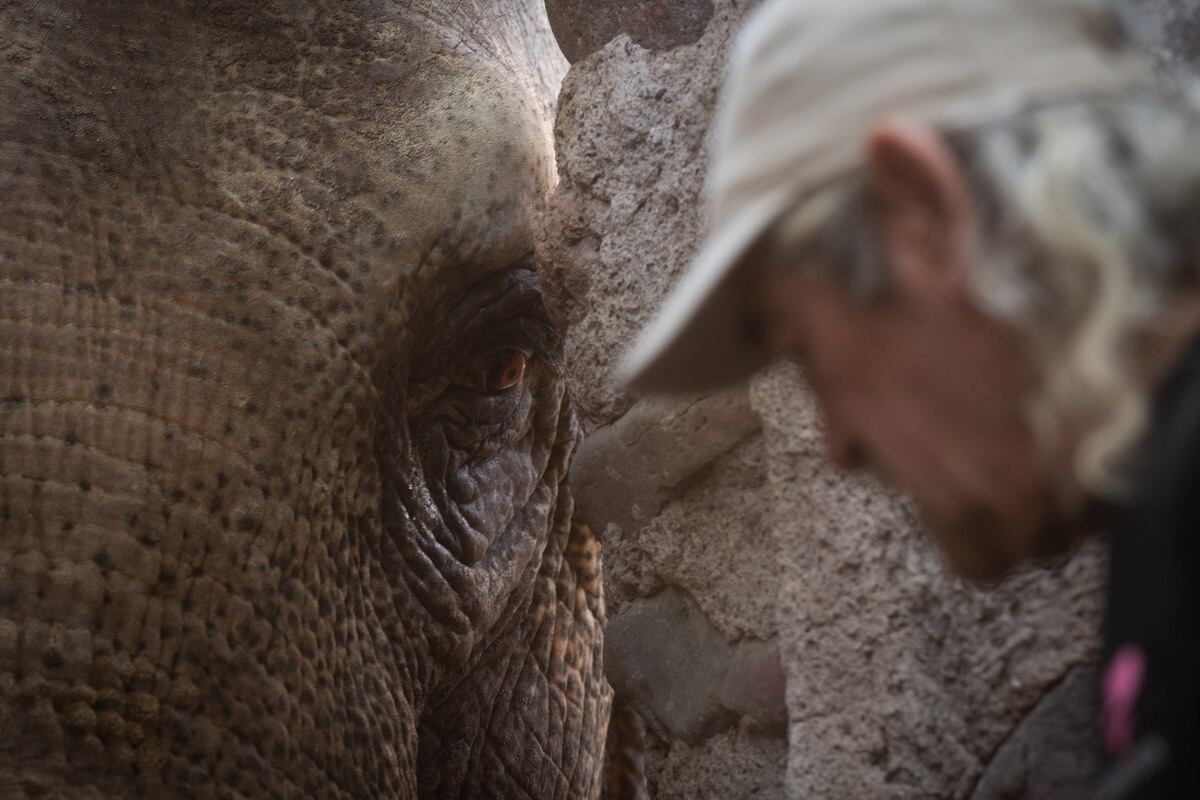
(488, 496)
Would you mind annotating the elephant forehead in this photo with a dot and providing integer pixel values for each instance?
(373, 142)
(417, 188)
(403, 183)
(467, 171)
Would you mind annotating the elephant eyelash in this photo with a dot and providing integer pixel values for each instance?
(493, 321)
(536, 337)
(504, 309)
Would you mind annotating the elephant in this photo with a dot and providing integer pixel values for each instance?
(283, 424)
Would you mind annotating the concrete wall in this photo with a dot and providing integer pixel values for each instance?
(785, 631)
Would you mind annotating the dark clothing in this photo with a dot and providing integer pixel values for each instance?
(1150, 681)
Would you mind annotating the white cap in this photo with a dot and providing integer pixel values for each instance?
(807, 81)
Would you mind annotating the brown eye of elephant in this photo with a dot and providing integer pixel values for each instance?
(496, 372)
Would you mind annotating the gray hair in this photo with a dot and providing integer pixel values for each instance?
(1088, 223)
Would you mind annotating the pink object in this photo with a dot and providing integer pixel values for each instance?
(1122, 685)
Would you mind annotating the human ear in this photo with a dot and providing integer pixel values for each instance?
(923, 205)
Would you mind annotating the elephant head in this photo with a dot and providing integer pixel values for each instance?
(283, 432)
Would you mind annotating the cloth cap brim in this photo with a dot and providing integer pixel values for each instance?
(699, 342)
(808, 79)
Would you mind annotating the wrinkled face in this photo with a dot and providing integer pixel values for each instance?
(291, 423)
(930, 394)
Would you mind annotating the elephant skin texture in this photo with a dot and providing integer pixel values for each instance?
(283, 429)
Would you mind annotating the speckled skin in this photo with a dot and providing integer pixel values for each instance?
(256, 539)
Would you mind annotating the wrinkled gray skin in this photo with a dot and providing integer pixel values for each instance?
(266, 531)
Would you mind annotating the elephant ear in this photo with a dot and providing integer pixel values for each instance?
(584, 26)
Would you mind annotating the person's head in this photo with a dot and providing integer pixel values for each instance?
(977, 302)
(979, 311)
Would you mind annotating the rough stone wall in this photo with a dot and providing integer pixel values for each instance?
(784, 630)
(903, 681)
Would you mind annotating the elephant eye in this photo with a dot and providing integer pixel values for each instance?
(495, 372)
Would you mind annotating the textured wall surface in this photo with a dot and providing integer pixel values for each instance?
(784, 630)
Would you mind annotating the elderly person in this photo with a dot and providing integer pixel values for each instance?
(974, 223)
